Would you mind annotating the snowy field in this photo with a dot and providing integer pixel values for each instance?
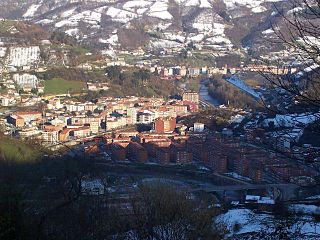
(245, 223)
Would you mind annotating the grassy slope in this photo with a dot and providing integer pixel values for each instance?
(18, 151)
(6, 25)
(60, 86)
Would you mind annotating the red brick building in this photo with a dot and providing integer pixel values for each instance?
(165, 125)
(163, 156)
(118, 152)
(137, 153)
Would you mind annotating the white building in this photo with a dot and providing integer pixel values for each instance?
(57, 122)
(146, 117)
(28, 132)
(3, 51)
(198, 127)
(4, 101)
(94, 127)
(50, 136)
(23, 56)
(26, 80)
(132, 113)
(75, 107)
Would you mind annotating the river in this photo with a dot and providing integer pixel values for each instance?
(204, 95)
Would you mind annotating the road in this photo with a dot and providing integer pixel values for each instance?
(201, 181)
(246, 187)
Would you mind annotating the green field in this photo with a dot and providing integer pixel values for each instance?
(61, 86)
(17, 151)
(5, 25)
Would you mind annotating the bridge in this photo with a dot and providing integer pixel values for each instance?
(283, 191)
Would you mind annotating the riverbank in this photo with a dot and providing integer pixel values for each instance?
(204, 95)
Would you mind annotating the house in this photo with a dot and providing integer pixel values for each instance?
(29, 116)
(194, 71)
(191, 97)
(26, 81)
(80, 132)
(183, 71)
(49, 136)
(93, 187)
(28, 132)
(198, 127)
(164, 125)
(97, 86)
(74, 133)
(4, 101)
(179, 109)
(15, 120)
(94, 127)
(262, 203)
(146, 117)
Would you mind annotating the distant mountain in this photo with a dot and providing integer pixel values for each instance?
(151, 24)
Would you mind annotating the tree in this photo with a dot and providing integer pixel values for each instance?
(142, 75)
(10, 213)
(114, 73)
(61, 37)
(89, 113)
(299, 31)
(162, 212)
(97, 111)
(34, 91)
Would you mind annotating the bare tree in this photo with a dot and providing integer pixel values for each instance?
(297, 80)
(299, 31)
(162, 212)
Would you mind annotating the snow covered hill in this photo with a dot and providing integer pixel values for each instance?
(205, 23)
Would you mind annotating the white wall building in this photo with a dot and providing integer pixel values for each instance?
(146, 117)
(4, 101)
(198, 127)
(26, 80)
(132, 113)
(50, 136)
(23, 56)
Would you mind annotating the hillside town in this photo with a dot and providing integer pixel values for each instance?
(114, 121)
(20, 84)
(158, 120)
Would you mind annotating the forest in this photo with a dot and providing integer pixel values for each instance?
(122, 81)
(230, 95)
(138, 82)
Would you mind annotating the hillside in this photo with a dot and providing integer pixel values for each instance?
(17, 151)
(221, 25)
